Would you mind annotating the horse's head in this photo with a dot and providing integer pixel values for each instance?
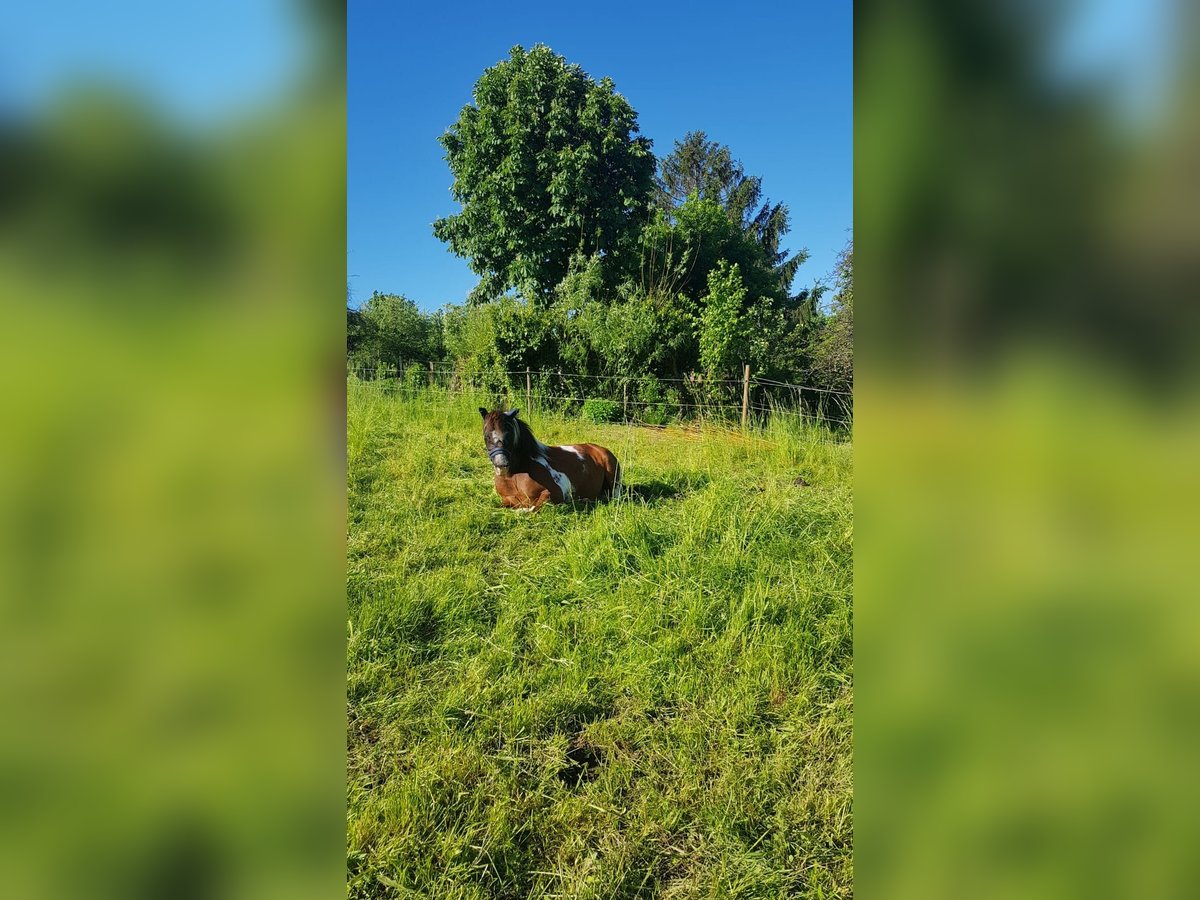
(501, 437)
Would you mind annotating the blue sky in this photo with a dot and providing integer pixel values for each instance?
(773, 81)
(199, 63)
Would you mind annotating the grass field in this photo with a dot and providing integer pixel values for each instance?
(648, 698)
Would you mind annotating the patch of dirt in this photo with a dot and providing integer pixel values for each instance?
(583, 763)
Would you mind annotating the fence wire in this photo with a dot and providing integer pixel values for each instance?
(641, 399)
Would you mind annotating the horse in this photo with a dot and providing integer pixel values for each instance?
(528, 473)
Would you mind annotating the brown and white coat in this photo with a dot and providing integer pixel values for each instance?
(528, 473)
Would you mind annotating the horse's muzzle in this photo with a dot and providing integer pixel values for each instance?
(499, 458)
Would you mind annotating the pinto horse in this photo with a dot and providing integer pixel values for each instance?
(528, 473)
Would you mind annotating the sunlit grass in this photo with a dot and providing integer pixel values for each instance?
(650, 697)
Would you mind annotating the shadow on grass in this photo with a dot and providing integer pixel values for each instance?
(647, 492)
(654, 491)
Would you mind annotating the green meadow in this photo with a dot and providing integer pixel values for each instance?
(646, 698)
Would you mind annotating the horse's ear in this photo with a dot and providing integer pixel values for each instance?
(512, 413)
(483, 412)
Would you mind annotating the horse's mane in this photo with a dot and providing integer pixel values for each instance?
(527, 444)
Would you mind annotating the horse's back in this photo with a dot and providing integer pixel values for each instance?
(593, 469)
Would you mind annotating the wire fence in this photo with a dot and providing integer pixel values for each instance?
(639, 399)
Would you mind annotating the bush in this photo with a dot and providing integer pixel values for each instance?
(655, 415)
(415, 378)
(652, 410)
(602, 410)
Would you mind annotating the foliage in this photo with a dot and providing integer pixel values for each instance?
(579, 300)
(526, 336)
(615, 332)
(652, 402)
(598, 410)
(358, 331)
(831, 352)
(706, 170)
(680, 252)
(435, 334)
(488, 341)
(588, 265)
(389, 330)
(557, 704)
(637, 333)
(720, 326)
(470, 338)
(547, 164)
(800, 315)
(415, 377)
(734, 327)
(583, 285)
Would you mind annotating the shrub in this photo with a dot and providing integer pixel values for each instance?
(415, 378)
(655, 415)
(598, 411)
(652, 409)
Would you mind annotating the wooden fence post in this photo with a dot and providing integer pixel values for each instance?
(745, 394)
(431, 374)
(528, 392)
(625, 392)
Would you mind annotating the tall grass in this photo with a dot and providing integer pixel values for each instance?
(646, 698)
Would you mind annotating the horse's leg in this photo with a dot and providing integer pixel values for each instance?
(530, 504)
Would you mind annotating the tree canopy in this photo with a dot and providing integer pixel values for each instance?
(389, 330)
(831, 349)
(707, 170)
(547, 164)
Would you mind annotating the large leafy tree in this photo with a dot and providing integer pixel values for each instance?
(547, 163)
(704, 169)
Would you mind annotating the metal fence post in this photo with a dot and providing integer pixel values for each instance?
(528, 391)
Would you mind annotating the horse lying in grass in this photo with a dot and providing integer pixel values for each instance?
(528, 473)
